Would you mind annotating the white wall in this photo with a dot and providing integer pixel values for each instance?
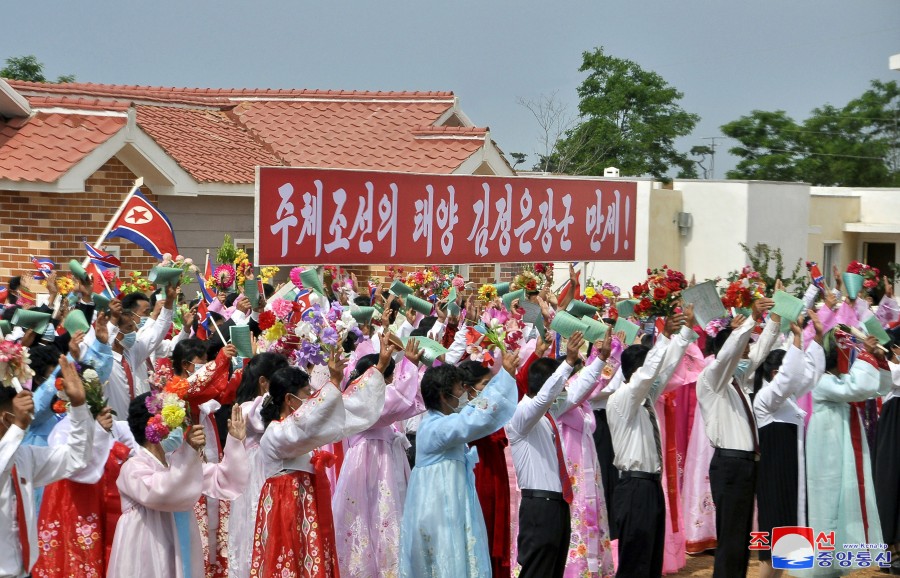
(720, 212)
(879, 205)
(778, 215)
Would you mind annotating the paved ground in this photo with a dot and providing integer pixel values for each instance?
(701, 566)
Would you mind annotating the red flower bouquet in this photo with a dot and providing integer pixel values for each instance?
(658, 295)
(871, 275)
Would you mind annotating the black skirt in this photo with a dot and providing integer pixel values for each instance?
(609, 475)
(887, 471)
(779, 470)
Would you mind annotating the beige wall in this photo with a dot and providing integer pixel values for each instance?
(827, 216)
(665, 243)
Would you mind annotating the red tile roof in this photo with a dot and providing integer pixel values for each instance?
(220, 135)
(45, 146)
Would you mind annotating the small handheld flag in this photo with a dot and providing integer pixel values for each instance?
(44, 267)
(101, 259)
(146, 226)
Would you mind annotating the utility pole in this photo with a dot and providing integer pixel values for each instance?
(712, 157)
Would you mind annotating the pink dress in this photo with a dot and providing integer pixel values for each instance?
(368, 501)
(146, 541)
(699, 510)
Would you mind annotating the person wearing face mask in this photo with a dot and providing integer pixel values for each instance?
(731, 429)
(443, 534)
(132, 348)
(544, 516)
(370, 492)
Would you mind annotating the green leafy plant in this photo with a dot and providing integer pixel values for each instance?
(227, 252)
(764, 258)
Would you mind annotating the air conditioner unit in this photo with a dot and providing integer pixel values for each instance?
(610, 172)
(685, 222)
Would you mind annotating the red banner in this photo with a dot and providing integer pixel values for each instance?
(324, 216)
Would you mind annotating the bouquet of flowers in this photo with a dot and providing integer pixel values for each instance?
(487, 293)
(180, 262)
(223, 277)
(93, 391)
(533, 278)
(169, 411)
(136, 284)
(394, 272)
(871, 275)
(717, 325)
(64, 284)
(503, 329)
(266, 273)
(243, 268)
(14, 365)
(743, 292)
(474, 348)
(600, 294)
(659, 293)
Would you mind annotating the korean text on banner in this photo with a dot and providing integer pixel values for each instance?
(321, 216)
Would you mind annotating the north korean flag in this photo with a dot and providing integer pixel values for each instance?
(145, 225)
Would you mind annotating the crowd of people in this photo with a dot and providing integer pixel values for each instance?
(425, 428)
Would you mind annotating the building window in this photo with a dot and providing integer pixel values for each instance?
(829, 260)
(880, 255)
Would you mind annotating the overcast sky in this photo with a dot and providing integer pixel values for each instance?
(727, 57)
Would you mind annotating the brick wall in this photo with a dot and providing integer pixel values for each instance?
(54, 224)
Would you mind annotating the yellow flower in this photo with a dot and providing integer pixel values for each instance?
(590, 292)
(275, 332)
(173, 415)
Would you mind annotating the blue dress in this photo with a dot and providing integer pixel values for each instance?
(443, 533)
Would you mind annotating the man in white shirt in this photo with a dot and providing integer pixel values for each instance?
(639, 503)
(544, 516)
(132, 347)
(26, 467)
(731, 429)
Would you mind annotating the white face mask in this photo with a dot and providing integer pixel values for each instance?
(461, 402)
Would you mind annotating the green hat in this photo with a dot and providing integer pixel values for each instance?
(363, 315)
(630, 329)
(853, 283)
(101, 301)
(240, 338)
(512, 296)
(432, 349)
(565, 324)
(35, 320)
(400, 289)
(626, 308)
(77, 270)
(5, 327)
(788, 307)
(581, 309)
(311, 281)
(420, 305)
(163, 276)
(596, 330)
(76, 321)
(502, 288)
(873, 327)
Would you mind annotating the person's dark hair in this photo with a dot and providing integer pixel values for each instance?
(362, 301)
(261, 365)
(647, 340)
(187, 350)
(130, 301)
(8, 313)
(425, 326)
(350, 342)
(439, 381)
(231, 298)
(368, 361)
(831, 358)
(138, 416)
(268, 290)
(154, 297)
(14, 283)
(287, 380)
(539, 372)
(632, 359)
(6, 396)
(43, 360)
(764, 372)
(715, 344)
(473, 372)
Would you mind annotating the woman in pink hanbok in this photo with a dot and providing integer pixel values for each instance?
(251, 394)
(590, 554)
(368, 500)
(154, 485)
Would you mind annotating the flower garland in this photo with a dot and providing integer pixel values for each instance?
(659, 293)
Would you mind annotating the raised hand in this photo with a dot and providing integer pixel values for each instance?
(510, 362)
(101, 327)
(197, 437)
(237, 426)
(72, 384)
(105, 418)
(737, 321)
(604, 346)
(23, 409)
(573, 347)
(412, 351)
(336, 365)
(543, 345)
(761, 305)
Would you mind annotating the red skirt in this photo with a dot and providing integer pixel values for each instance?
(289, 539)
(77, 523)
(492, 487)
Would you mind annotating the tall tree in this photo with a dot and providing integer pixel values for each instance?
(854, 145)
(629, 118)
(30, 69)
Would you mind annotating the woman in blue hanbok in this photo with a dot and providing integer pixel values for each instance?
(443, 532)
(839, 472)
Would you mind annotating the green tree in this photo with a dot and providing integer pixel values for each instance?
(854, 145)
(30, 69)
(629, 118)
